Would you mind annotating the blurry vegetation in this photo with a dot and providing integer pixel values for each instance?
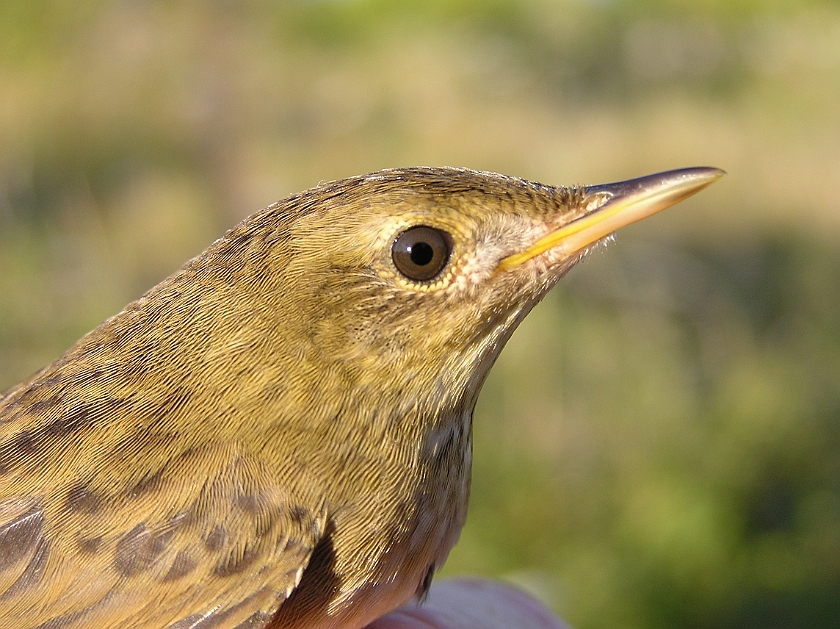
(659, 445)
(686, 425)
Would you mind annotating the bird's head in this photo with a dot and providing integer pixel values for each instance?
(406, 283)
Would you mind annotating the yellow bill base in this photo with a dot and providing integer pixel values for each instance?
(626, 202)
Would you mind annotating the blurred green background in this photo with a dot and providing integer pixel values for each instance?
(659, 445)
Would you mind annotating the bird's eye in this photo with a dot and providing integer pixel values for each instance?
(420, 253)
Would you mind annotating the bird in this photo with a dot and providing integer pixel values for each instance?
(278, 435)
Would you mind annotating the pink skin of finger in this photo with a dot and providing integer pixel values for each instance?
(472, 604)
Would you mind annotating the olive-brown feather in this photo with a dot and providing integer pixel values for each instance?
(277, 420)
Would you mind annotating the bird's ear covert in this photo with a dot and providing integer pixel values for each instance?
(420, 253)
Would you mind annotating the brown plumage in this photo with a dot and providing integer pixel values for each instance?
(281, 429)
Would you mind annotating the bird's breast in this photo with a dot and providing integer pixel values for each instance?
(385, 546)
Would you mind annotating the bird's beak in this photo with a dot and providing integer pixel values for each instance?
(617, 205)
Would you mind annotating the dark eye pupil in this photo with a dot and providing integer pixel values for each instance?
(421, 253)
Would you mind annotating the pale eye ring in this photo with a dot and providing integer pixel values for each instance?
(421, 253)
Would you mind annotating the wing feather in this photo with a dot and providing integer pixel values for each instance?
(195, 545)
